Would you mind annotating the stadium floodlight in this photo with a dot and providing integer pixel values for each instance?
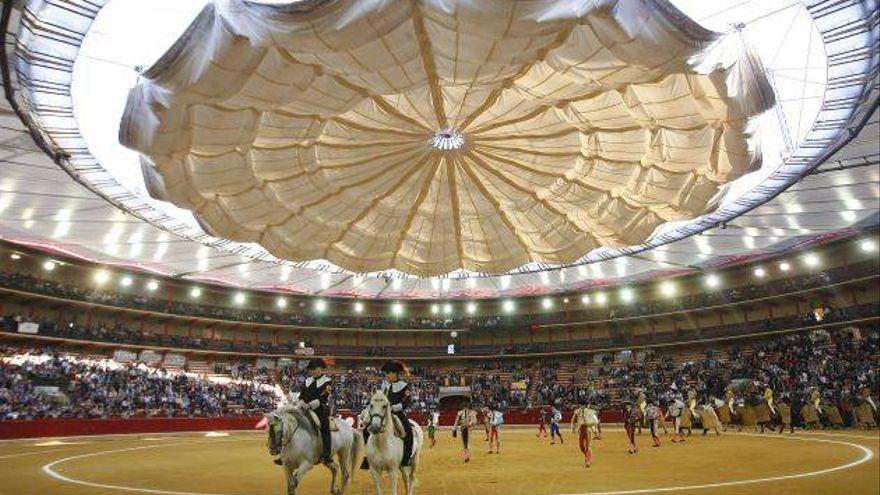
(102, 276)
(397, 309)
(49, 265)
(760, 272)
(152, 285)
(281, 303)
(508, 306)
(601, 299)
(785, 266)
(811, 260)
(435, 309)
(126, 281)
(668, 289)
(867, 245)
(358, 307)
(712, 280)
(471, 308)
(585, 299)
(195, 292)
(239, 298)
(547, 303)
(320, 305)
(627, 295)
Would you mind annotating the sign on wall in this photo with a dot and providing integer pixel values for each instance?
(28, 327)
(124, 355)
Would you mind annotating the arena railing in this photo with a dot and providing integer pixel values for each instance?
(25, 284)
(866, 316)
(156, 339)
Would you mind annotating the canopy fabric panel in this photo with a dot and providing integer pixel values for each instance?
(430, 136)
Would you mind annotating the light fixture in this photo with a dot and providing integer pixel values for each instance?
(195, 292)
(601, 299)
(48, 265)
(627, 295)
(585, 299)
(125, 281)
(320, 305)
(453, 334)
(358, 307)
(152, 285)
(397, 309)
(435, 309)
(867, 245)
(471, 308)
(760, 272)
(239, 298)
(102, 276)
(564, 300)
(447, 309)
(15, 256)
(508, 306)
(811, 260)
(668, 289)
(712, 280)
(281, 303)
(784, 266)
(547, 303)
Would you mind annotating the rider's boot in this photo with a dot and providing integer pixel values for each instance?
(278, 461)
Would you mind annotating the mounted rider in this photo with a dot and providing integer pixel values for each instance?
(399, 395)
(315, 396)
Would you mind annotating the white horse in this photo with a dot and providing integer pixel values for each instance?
(297, 440)
(385, 449)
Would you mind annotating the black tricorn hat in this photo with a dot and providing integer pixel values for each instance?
(394, 367)
(319, 363)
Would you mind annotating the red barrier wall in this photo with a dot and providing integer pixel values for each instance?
(74, 427)
(71, 427)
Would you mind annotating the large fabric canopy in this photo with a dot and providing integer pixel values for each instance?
(435, 135)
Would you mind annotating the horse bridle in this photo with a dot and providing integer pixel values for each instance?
(279, 430)
(380, 416)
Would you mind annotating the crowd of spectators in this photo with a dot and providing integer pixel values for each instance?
(38, 383)
(838, 365)
(49, 383)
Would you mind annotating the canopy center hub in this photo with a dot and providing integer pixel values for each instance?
(447, 140)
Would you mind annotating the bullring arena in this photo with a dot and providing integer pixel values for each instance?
(191, 464)
(439, 247)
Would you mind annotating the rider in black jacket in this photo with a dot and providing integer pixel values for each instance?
(398, 393)
(316, 396)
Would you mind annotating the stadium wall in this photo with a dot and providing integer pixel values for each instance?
(42, 428)
(77, 427)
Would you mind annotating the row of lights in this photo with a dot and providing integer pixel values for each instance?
(103, 276)
(626, 294)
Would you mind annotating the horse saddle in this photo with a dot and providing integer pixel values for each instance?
(316, 423)
(399, 432)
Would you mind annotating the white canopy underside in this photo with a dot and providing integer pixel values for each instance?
(307, 128)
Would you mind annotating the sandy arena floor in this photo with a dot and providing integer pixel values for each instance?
(806, 463)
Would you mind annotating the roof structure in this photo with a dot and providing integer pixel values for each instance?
(539, 153)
